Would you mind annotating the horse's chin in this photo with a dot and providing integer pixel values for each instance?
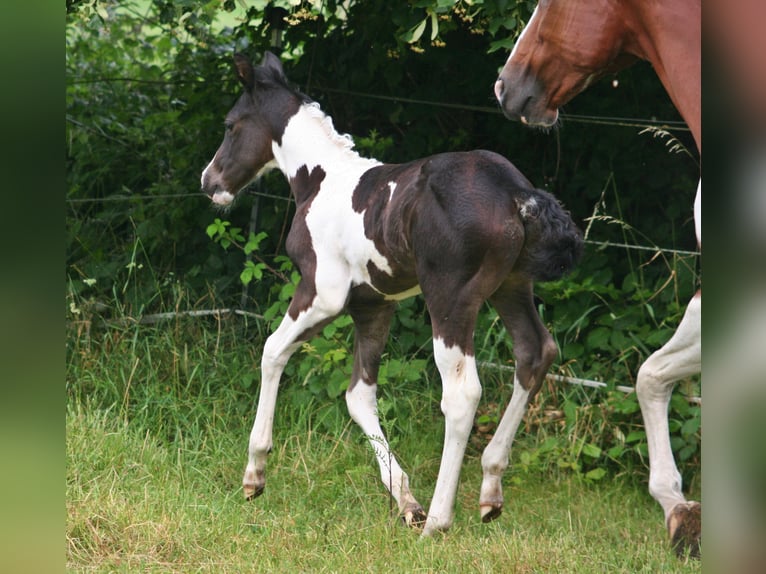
(222, 198)
(544, 121)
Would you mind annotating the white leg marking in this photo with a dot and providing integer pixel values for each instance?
(461, 391)
(679, 357)
(494, 460)
(362, 406)
(276, 352)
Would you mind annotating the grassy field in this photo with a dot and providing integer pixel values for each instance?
(157, 423)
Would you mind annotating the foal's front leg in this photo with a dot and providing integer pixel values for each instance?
(297, 326)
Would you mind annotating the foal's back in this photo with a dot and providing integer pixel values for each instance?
(453, 210)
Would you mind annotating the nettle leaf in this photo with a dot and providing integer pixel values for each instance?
(595, 474)
(635, 436)
(591, 450)
(691, 426)
(254, 241)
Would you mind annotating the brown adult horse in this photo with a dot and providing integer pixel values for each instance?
(565, 46)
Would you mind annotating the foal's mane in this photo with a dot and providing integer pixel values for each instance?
(344, 141)
(269, 77)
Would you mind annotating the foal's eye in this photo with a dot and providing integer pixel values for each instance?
(228, 126)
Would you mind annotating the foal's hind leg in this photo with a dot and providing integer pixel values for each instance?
(297, 325)
(372, 322)
(679, 357)
(534, 350)
(453, 323)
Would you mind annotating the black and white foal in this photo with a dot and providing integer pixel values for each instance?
(461, 228)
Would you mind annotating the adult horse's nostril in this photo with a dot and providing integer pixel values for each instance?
(499, 90)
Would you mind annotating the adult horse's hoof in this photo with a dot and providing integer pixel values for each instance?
(685, 529)
(489, 512)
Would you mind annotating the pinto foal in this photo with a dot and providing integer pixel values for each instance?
(462, 228)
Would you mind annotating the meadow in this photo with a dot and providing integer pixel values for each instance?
(156, 434)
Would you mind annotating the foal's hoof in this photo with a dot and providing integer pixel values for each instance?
(252, 491)
(414, 517)
(489, 512)
(685, 529)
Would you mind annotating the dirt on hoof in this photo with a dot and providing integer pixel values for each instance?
(685, 528)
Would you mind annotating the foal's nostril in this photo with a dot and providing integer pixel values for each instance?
(499, 90)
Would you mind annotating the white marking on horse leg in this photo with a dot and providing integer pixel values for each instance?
(362, 406)
(494, 460)
(461, 391)
(678, 358)
(276, 352)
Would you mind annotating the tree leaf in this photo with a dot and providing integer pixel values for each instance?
(415, 33)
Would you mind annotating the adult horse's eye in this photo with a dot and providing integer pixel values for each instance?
(228, 126)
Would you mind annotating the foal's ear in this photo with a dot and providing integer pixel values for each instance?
(274, 65)
(244, 71)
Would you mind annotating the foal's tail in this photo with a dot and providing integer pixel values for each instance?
(553, 244)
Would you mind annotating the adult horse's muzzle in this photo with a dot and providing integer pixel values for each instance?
(522, 98)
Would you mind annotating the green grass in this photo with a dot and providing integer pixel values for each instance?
(157, 425)
(138, 503)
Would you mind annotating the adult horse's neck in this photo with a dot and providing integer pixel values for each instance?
(310, 140)
(667, 34)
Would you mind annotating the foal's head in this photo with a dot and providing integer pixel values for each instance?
(257, 119)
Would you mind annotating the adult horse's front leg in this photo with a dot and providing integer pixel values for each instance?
(534, 350)
(679, 357)
(297, 326)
